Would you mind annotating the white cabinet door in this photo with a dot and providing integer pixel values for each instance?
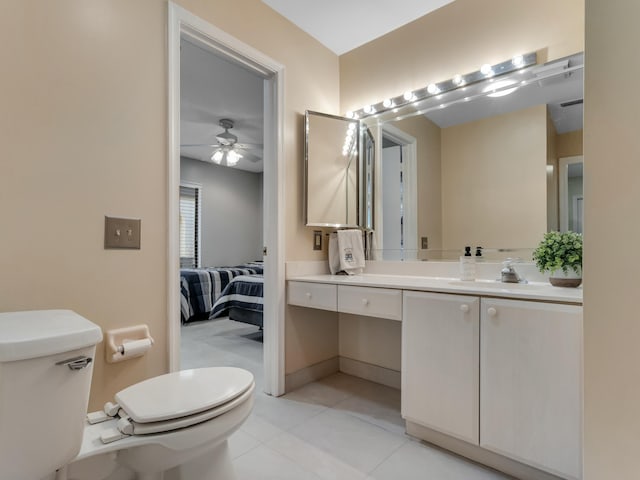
(531, 383)
(440, 362)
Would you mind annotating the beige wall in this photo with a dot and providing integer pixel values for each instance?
(612, 196)
(569, 144)
(458, 38)
(491, 170)
(83, 130)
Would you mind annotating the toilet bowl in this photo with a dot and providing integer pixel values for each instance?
(179, 424)
(170, 427)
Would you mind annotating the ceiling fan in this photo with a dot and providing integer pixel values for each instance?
(227, 150)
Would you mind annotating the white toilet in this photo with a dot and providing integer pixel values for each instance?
(170, 427)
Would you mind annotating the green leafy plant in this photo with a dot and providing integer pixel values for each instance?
(559, 251)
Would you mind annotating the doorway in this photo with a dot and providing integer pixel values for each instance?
(183, 26)
(398, 199)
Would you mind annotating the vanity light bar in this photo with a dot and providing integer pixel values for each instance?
(458, 81)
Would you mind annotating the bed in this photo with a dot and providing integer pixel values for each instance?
(241, 300)
(201, 287)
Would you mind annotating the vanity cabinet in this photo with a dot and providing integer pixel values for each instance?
(531, 383)
(440, 363)
(498, 380)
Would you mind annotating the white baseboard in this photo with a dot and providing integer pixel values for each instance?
(374, 373)
(310, 374)
(478, 454)
(367, 371)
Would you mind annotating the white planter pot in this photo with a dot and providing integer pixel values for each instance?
(558, 278)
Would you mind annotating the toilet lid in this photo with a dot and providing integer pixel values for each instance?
(183, 393)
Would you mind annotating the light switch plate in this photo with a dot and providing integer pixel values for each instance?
(122, 233)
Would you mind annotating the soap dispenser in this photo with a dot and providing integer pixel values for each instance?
(467, 265)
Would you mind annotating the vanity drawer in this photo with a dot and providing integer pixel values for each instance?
(373, 302)
(313, 295)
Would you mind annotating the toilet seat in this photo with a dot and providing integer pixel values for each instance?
(183, 393)
(187, 421)
(178, 400)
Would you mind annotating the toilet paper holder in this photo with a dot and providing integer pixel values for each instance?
(128, 342)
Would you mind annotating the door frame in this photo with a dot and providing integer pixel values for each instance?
(410, 186)
(182, 22)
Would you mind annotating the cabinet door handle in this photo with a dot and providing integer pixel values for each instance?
(464, 308)
(308, 294)
(365, 302)
(492, 312)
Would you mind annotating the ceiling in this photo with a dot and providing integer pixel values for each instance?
(342, 25)
(213, 88)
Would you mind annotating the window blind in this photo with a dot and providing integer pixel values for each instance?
(189, 228)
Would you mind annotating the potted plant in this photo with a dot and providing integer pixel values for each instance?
(560, 254)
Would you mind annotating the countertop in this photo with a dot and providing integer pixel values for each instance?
(485, 288)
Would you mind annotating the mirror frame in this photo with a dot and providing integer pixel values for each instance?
(367, 188)
(356, 149)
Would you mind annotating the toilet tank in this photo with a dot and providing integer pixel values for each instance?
(43, 397)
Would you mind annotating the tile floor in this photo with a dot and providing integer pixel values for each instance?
(339, 428)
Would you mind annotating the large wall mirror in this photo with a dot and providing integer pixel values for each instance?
(480, 165)
(331, 170)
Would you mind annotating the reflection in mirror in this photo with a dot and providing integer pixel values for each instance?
(398, 188)
(331, 170)
(367, 191)
(571, 195)
(487, 168)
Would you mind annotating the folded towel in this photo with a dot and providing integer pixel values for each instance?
(346, 252)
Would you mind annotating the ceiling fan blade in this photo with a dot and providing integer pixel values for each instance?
(248, 146)
(214, 145)
(251, 157)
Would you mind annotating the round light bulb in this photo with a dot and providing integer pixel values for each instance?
(368, 109)
(432, 88)
(349, 114)
(408, 96)
(517, 61)
(387, 103)
(457, 80)
(486, 69)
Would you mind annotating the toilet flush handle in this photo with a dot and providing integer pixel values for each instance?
(76, 363)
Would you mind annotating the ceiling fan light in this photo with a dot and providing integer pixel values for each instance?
(233, 158)
(217, 156)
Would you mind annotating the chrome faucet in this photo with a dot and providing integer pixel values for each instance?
(508, 274)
